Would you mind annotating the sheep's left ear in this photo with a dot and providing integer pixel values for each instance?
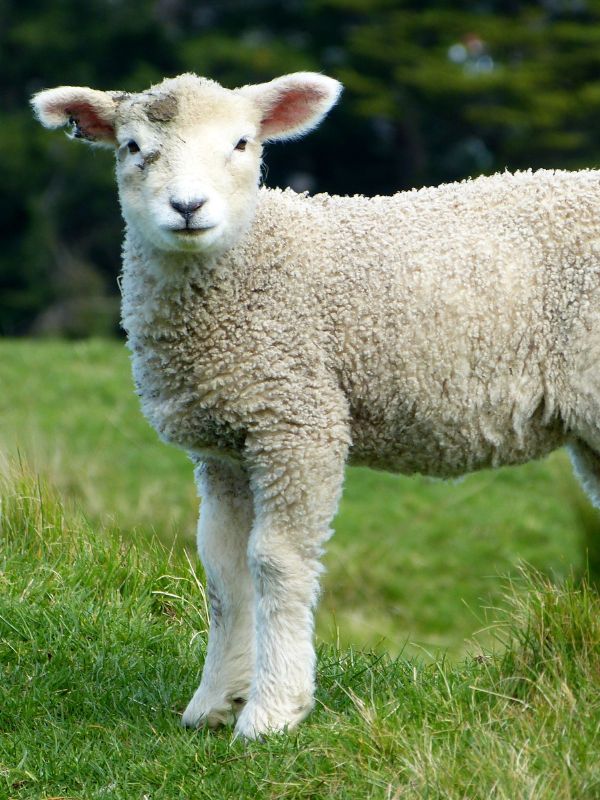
(293, 104)
(91, 112)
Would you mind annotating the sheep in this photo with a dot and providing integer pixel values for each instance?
(276, 337)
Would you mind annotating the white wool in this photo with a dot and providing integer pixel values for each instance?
(436, 331)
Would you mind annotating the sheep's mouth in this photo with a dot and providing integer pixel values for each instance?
(196, 231)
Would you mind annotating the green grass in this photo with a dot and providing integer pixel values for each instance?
(101, 643)
(416, 566)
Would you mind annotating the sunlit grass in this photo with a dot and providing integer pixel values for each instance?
(102, 640)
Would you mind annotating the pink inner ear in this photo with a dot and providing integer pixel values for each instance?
(292, 109)
(89, 125)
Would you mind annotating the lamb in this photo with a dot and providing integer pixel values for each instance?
(276, 337)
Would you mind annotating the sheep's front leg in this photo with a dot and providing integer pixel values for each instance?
(296, 492)
(226, 516)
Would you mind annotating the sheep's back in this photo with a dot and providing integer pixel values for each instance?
(452, 316)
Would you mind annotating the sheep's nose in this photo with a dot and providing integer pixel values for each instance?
(187, 208)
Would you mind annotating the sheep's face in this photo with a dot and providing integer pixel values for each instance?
(188, 151)
(188, 165)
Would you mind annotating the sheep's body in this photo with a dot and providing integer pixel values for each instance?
(276, 336)
(429, 344)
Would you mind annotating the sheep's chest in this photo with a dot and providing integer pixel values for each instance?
(184, 406)
(181, 375)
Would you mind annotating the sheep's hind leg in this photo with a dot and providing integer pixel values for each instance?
(296, 491)
(586, 465)
(226, 516)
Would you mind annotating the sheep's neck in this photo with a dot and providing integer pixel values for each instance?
(159, 285)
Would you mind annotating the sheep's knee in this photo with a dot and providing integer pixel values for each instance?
(282, 575)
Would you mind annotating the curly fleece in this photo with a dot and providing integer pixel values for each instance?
(437, 331)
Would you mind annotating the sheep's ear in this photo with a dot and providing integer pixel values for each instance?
(90, 112)
(293, 104)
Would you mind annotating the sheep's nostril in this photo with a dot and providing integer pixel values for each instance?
(187, 208)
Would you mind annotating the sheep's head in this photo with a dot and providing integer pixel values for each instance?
(188, 151)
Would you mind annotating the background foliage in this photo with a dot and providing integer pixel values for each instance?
(435, 91)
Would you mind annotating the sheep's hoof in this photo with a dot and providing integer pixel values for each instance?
(211, 711)
(255, 722)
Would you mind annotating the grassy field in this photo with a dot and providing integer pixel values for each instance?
(416, 566)
(100, 647)
(445, 670)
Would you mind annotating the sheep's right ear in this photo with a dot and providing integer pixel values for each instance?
(90, 112)
(292, 105)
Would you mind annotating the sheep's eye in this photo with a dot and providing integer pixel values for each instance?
(133, 147)
(241, 145)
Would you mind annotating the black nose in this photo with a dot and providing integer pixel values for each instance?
(186, 209)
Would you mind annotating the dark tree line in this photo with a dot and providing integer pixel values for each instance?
(435, 91)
